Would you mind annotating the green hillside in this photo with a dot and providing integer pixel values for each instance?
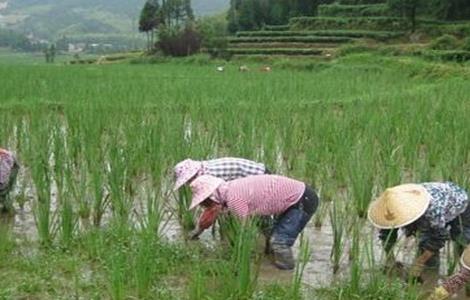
(52, 18)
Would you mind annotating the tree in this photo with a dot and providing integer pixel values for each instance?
(149, 20)
(175, 12)
(246, 17)
(408, 9)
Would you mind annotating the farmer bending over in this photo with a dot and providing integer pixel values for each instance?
(292, 203)
(227, 168)
(8, 171)
(433, 210)
(455, 282)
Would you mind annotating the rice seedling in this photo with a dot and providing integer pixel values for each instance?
(98, 143)
(337, 225)
(302, 260)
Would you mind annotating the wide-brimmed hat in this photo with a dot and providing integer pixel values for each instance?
(465, 259)
(202, 187)
(184, 171)
(399, 206)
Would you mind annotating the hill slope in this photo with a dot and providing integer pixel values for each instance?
(52, 18)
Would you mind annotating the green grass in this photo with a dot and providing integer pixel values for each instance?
(274, 51)
(364, 10)
(291, 39)
(98, 142)
(334, 33)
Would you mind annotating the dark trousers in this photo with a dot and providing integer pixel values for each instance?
(290, 224)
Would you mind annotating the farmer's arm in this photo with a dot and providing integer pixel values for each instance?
(207, 219)
(451, 285)
(431, 241)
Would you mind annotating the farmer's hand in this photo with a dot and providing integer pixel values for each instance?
(416, 269)
(194, 235)
(439, 293)
(390, 261)
(414, 273)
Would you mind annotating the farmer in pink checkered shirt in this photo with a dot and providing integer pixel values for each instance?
(8, 171)
(226, 168)
(292, 203)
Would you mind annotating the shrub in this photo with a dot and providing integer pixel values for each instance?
(291, 39)
(214, 35)
(366, 10)
(358, 2)
(279, 51)
(466, 44)
(360, 23)
(447, 55)
(460, 30)
(380, 35)
(177, 42)
(276, 27)
(445, 42)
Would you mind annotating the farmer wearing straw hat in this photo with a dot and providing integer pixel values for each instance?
(292, 203)
(8, 171)
(435, 210)
(226, 168)
(455, 282)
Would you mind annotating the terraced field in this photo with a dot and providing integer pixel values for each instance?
(320, 36)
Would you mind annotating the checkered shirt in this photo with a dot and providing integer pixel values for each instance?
(230, 168)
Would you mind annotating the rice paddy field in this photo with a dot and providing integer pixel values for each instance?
(95, 214)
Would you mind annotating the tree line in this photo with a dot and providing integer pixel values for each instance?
(254, 14)
(163, 15)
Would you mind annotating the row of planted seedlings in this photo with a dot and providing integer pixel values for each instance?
(97, 186)
(105, 164)
(362, 151)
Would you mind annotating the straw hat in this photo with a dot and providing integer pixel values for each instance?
(202, 187)
(185, 170)
(465, 259)
(399, 206)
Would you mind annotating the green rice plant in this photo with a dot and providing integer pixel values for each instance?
(185, 216)
(321, 213)
(302, 260)
(7, 242)
(229, 229)
(144, 262)
(41, 175)
(337, 225)
(453, 257)
(117, 179)
(361, 177)
(117, 273)
(355, 242)
(243, 275)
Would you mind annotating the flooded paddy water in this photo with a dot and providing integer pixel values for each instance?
(318, 272)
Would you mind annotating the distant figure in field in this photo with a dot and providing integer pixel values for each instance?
(8, 171)
(243, 68)
(432, 211)
(292, 202)
(226, 168)
(220, 69)
(266, 69)
(456, 282)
